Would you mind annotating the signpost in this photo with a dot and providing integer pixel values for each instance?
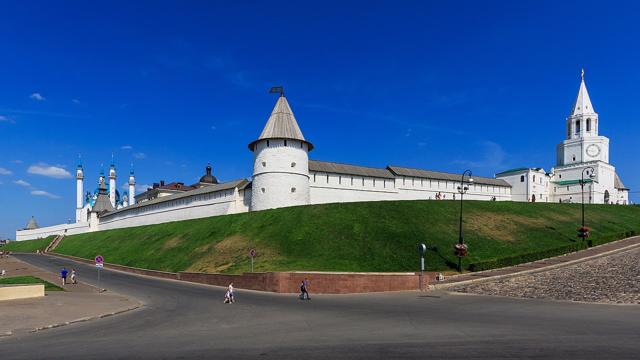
(422, 249)
(252, 254)
(99, 265)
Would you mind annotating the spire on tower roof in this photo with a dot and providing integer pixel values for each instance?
(582, 105)
(282, 123)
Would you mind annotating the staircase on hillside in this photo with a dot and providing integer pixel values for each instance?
(54, 243)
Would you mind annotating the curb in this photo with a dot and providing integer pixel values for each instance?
(84, 319)
(531, 271)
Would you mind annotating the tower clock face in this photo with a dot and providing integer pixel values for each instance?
(593, 150)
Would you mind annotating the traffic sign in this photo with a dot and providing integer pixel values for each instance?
(99, 265)
(99, 259)
(252, 253)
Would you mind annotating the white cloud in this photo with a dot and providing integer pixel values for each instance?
(16, 161)
(491, 155)
(55, 172)
(140, 155)
(6, 119)
(37, 96)
(75, 101)
(4, 171)
(22, 183)
(44, 193)
(126, 147)
(213, 127)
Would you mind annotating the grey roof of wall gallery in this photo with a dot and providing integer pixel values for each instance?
(203, 190)
(391, 172)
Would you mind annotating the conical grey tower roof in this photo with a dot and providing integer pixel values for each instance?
(32, 224)
(281, 124)
(103, 203)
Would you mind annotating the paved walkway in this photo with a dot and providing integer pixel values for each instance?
(611, 279)
(541, 265)
(79, 302)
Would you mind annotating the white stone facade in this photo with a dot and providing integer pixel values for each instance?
(284, 176)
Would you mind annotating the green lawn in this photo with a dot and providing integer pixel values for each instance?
(22, 280)
(369, 236)
(29, 245)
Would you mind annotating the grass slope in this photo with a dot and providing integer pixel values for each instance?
(29, 245)
(369, 236)
(22, 280)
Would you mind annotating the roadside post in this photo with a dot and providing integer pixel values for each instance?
(422, 249)
(252, 254)
(99, 266)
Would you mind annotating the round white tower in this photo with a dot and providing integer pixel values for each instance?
(281, 161)
(79, 193)
(112, 184)
(132, 188)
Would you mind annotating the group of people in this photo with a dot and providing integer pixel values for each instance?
(64, 273)
(229, 297)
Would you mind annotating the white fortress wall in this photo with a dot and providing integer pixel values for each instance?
(61, 229)
(223, 202)
(334, 188)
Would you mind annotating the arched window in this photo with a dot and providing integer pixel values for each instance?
(588, 125)
(577, 126)
(534, 178)
(522, 178)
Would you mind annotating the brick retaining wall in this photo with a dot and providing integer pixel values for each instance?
(289, 282)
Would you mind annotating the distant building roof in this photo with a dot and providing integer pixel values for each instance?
(518, 170)
(207, 178)
(571, 182)
(203, 190)
(281, 124)
(617, 183)
(32, 224)
(428, 174)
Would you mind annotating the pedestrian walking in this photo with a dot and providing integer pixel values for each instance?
(63, 275)
(230, 293)
(74, 276)
(304, 290)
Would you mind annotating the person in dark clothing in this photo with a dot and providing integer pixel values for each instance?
(304, 290)
(63, 275)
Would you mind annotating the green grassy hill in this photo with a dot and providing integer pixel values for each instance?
(372, 236)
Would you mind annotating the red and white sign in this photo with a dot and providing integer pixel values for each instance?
(252, 253)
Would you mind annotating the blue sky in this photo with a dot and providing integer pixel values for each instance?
(171, 86)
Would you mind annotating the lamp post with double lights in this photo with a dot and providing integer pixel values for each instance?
(583, 232)
(461, 248)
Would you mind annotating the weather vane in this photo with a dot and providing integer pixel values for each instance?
(276, 90)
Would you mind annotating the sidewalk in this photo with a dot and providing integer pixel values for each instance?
(541, 265)
(79, 302)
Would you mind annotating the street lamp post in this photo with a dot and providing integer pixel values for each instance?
(462, 189)
(582, 182)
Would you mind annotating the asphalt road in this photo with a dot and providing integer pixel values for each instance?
(190, 321)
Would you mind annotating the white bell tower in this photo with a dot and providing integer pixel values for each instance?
(582, 144)
(281, 161)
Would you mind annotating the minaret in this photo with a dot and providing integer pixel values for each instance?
(79, 193)
(112, 183)
(281, 161)
(132, 187)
